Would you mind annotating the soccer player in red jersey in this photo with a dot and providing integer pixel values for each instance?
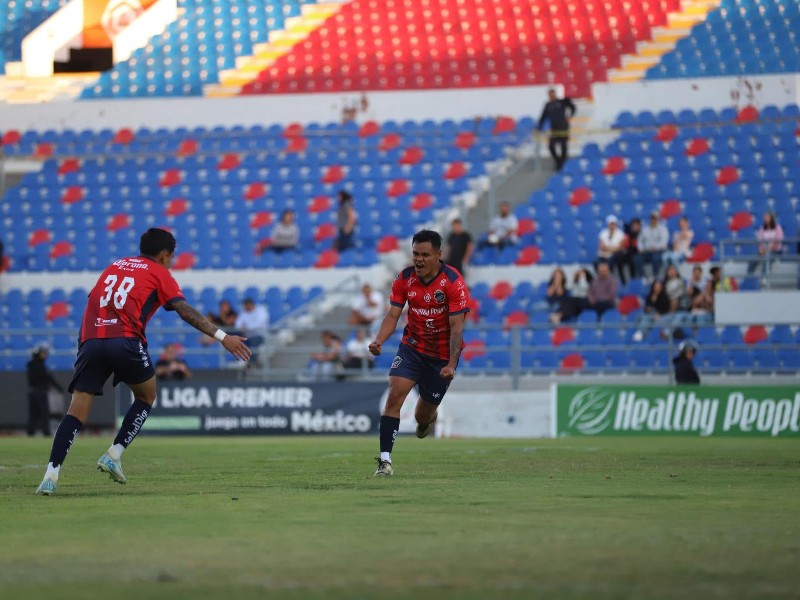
(112, 341)
(438, 301)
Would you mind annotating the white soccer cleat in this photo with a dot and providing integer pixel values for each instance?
(106, 464)
(384, 468)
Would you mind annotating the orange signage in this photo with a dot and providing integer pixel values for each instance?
(104, 19)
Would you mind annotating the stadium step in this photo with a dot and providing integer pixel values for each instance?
(648, 54)
(27, 90)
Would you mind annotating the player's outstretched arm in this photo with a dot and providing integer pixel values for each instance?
(456, 337)
(232, 343)
(388, 325)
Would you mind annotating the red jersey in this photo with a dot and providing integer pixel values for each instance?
(430, 306)
(125, 296)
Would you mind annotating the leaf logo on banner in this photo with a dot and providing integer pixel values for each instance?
(119, 14)
(590, 410)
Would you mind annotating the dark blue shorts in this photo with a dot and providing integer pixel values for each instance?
(126, 358)
(423, 369)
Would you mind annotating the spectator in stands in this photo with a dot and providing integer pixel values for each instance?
(685, 373)
(675, 288)
(459, 247)
(171, 366)
(285, 235)
(345, 221)
(653, 242)
(555, 111)
(2, 257)
(656, 307)
(703, 304)
(697, 283)
(367, 309)
(40, 381)
(770, 237)
(631, 257)
(225, 319)
(357, 353)
(601, 296)
(611, 244)
(556, 288)
(502, 229)
(721, 284)
(681, 244)
(328, 361)
(252, 322)
(581, 282)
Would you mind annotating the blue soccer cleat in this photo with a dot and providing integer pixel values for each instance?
(106, 464)
(47, 487)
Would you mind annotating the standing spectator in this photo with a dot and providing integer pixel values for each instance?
(681, 244)
(503, 228)
(285, 234)
(345, 221)
(171, 366)
(675, 287)
(367, 309)
(770, 237)
(611, 244)
(459, 247)
(656, 306)
(252, 323)
(555, 111)
(327, 362)
(357, 352)
(685, 373)
(40, 380)
(556, 288)
(653, 242)
(631, 257)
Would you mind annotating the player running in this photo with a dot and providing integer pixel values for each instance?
(112, 341)
(432, 341)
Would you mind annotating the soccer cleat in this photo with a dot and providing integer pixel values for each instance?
(106, 464)
(47, 487)
(424, 430)
(384, 468)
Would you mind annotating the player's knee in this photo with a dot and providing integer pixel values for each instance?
(147, 397)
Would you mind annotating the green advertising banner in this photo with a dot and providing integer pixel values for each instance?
(659, 410)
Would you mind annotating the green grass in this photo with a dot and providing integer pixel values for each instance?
(570, 518)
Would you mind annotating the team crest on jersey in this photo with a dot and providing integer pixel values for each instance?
(438, 295)
(396, 362)
(443, 282)
(427, 297)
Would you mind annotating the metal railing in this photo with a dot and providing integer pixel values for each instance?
(770, 267)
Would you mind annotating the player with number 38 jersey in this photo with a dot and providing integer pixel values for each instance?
(125, 296)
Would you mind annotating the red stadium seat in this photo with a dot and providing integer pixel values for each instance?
(327, 258)
(614, 166)
(501, 290)
(170, 178)
(123, 137)
(525, 226)
(666, 133)
(260, 219)
(562, 335)
(473, 349)
(187, 148)
(320, 204)
(184, 260)
(176, 207)
(728, 175)
(529, 255)
(628, 304)
(518, 318)
(412, 156)
(465, 140)
(255, 190)
(57, 310)
(60, 249)
(580, 196)
(69, 165)
(697, 147)
(421, 201)
(504, 125)
(748, 114)
(118, 221)
(369, 129)
(324, 231)
(388, 243)
(293, 130)
(573, 362)
(333, 174)
(72, 194)
(740, 220)
(455, 170)
(229, 161)
(10, 137)
(40, 236)
(670, 208)
(297, 145)
(702, 252)
(755, 334)
(43, 150)
(390, 141)
(398, 187)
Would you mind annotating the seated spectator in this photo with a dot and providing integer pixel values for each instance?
(675, 287)
(170, 365)
(357, 354)
(681, 244)
(770, 237)
(224, 318)
(285, 234)
(653, 242)
(503, 229)
(631, 257)
(656, 306)
(581, 282)
(602, 295)
(556, 288)
(703, 304)
(252, 323)
(697, 283)
(611, 244)
(326, 363)
(367, 309)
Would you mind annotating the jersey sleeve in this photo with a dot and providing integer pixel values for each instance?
(458, 297)
(399, 293)
(169, 292)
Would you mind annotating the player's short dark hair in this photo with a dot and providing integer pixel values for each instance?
(154, 240)
(428, 235)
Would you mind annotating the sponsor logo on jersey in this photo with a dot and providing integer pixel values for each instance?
(430, 324)
(438, 296)
(396, 362)
(103, 322)
(443, 282)
(412, 294)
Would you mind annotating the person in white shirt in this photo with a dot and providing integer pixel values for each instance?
(357, 351)
(611, 243)
(653, 242)
(367, 309)
(503, 228)
(285, 235)
(252, 322)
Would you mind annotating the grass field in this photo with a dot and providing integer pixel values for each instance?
(570, 518)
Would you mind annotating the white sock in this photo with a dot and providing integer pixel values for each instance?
(116, 451)
(52, 472)
(386, 456)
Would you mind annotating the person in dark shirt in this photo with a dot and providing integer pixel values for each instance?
(555, 111)
(685, 373)
(345, 221)
(40, 380)
(459, 247)
(171, 366)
